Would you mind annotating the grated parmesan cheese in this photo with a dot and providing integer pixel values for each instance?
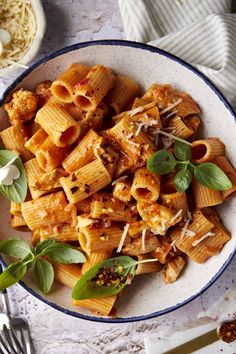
(145, 125)
(129, 136)
(176, 216)
(173, 105)
(139, 109)
(133, 143)
(123, 237)
(148, 260)
(143, 239)
(159, 131)
(171, 114)
(139, 129)
(190, 233)
(119, 179)
(189, 215)
(173, 245)
(184, 229)
(196, 242)
(136, 110)
(163, 225)
(18, 19)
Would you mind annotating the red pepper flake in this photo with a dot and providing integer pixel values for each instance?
(74, 189)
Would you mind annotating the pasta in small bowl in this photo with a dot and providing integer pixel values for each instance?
(115, 193)
(22, 29)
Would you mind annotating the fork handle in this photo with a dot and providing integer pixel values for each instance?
(5, 298)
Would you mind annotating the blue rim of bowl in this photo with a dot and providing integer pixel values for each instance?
(219, 95)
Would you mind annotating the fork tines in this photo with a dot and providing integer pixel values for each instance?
(10, 343)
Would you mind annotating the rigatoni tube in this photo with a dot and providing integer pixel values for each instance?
(50, 156)
(34, 143)
(90, 91)
(124, 91)
(14, 140)
(85, 181)
(146, 185)
(82, 153)
(207, 149)
(63, 87)
(58, 124)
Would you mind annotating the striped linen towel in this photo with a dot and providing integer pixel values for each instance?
(202, 32)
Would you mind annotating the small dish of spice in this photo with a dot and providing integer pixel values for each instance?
(22, 28)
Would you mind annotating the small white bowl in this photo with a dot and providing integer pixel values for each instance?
(12, 70)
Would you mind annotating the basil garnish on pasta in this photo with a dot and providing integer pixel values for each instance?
(32, 258)
(107, 278)
(207, 173)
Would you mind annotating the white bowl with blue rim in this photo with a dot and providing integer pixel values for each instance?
(147, 296)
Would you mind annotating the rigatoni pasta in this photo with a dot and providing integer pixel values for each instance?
(52, 209)
(14, 140)
(146, 185)
(85, 181)
(86, 153)
(58, 124)
(50, 156)
(90, 91)
(207, 149)
(204, 196)
(34, 143)
(82, 153)
(63, 88)
(123, 93)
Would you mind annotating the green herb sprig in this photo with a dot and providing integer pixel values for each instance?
(32, 258)
(206, 173)
(106, 278)
(16, 192)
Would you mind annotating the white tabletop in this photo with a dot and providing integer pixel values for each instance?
(53, 332)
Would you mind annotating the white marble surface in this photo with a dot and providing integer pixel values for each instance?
(53, 332)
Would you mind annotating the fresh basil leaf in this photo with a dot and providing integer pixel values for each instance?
(12, 274)
(15, 248)
(18, 190)
(43, 246)
(211, 176)
(116, 273)
(162, 162)
(182, 151)
(182, 180)
(44, 274)
(64, 254)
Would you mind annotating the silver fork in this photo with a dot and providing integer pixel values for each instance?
(15, 335)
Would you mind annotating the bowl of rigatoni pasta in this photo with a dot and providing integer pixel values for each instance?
(117, 181)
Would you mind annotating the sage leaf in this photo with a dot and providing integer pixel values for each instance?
(211, 176)
(64, 254)
(182, 180)
(44, 274)
(162, 162)
(16, 192)
(15, 248)
(182, 151)
(12, 274)
(105, 279)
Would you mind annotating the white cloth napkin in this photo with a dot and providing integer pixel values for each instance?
(202, 32)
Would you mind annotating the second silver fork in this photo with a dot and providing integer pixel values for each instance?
(15, 335)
